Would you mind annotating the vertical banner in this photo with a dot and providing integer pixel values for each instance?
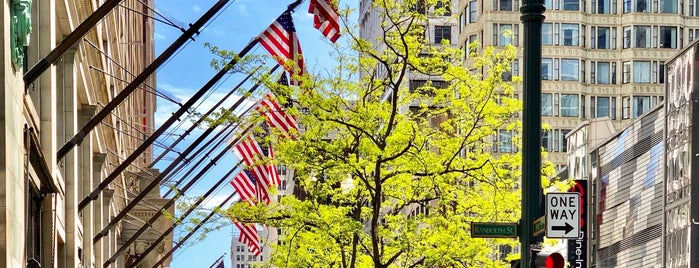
(577, 248)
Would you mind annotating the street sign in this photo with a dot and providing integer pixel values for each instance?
(493, 229)
(539, 225)
(562, 215)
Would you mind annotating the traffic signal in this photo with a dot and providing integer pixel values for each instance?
(547, 259)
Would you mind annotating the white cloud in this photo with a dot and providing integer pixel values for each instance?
(196, 8)
(158, 36)
(182, 95)
(215, 200)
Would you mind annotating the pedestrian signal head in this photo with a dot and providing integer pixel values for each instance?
(547, 259)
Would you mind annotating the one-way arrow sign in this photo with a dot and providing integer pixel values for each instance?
(567, 228)
(562, 215)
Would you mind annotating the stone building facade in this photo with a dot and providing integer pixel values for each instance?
(40, 223)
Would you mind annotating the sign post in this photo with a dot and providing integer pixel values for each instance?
(563, 215)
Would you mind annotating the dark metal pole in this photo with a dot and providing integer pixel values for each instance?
(155, 217)
(181, 218)
(174, 163)
(196, 228)
(532, 17)
(118, 99)
(201, 119)
(112, 176)
(68, 42)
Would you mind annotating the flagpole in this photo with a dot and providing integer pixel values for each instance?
(194, 230)
(174, 163)
(149, 141)
(252, 89)
(176, 222)
(165, 207)
(68, 42)
(217, 260)
(201, 119)
(147, 72)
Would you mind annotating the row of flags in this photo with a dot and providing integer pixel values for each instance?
(281, 41)
(254, 182)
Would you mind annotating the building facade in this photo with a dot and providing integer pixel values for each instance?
(600, 58)
(40, 223)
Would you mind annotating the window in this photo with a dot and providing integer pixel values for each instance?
(442, 33)
(571, 5)
(546, 34)
(627, 37)
(641, 72)
(602, 37)
(668, 6)
(505, 141)
(569, 105)
(604, 74)
(546, 140)
(668, 37)
(419, 7)
(548, 4)
(625, 107)
(546, 69)
(641, 104)
(642, 6)
(471, 39)
(444, 7)
(569, 34)
(472, 11)
(546, 104)
(603, 7)
(503, 5)
(602, 107)
(642, 36)
(504, 34)
(554, 140)
(570, 69)
(693, 8)
(626, 69)
(514, 70)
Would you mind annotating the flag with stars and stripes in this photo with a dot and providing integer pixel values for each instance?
(325, 18)
(280, 40)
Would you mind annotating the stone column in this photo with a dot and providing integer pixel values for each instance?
(85, 185)
(67, 106)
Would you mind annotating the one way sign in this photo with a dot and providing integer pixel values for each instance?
(562, 215)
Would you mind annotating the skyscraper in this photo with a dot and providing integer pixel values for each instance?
(600, 58)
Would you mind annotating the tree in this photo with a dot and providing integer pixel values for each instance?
(393, 170)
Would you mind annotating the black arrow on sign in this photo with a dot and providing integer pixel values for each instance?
(566, 228)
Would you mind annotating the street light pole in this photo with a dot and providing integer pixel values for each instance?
(532, 17)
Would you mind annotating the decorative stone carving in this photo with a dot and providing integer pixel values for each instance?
(20, 27)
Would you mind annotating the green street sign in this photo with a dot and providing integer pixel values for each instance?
(539, 226)
(493, 229)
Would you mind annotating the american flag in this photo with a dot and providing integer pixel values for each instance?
(325, 18)
(250, 152)
(248, 235)
(276, 117)
(271, 168)
(244, 184)
(281, 41)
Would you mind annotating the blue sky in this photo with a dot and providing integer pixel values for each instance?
(189, 69)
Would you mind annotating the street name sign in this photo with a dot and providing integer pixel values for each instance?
(539, 225)
(493, 229)
(563, 215)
